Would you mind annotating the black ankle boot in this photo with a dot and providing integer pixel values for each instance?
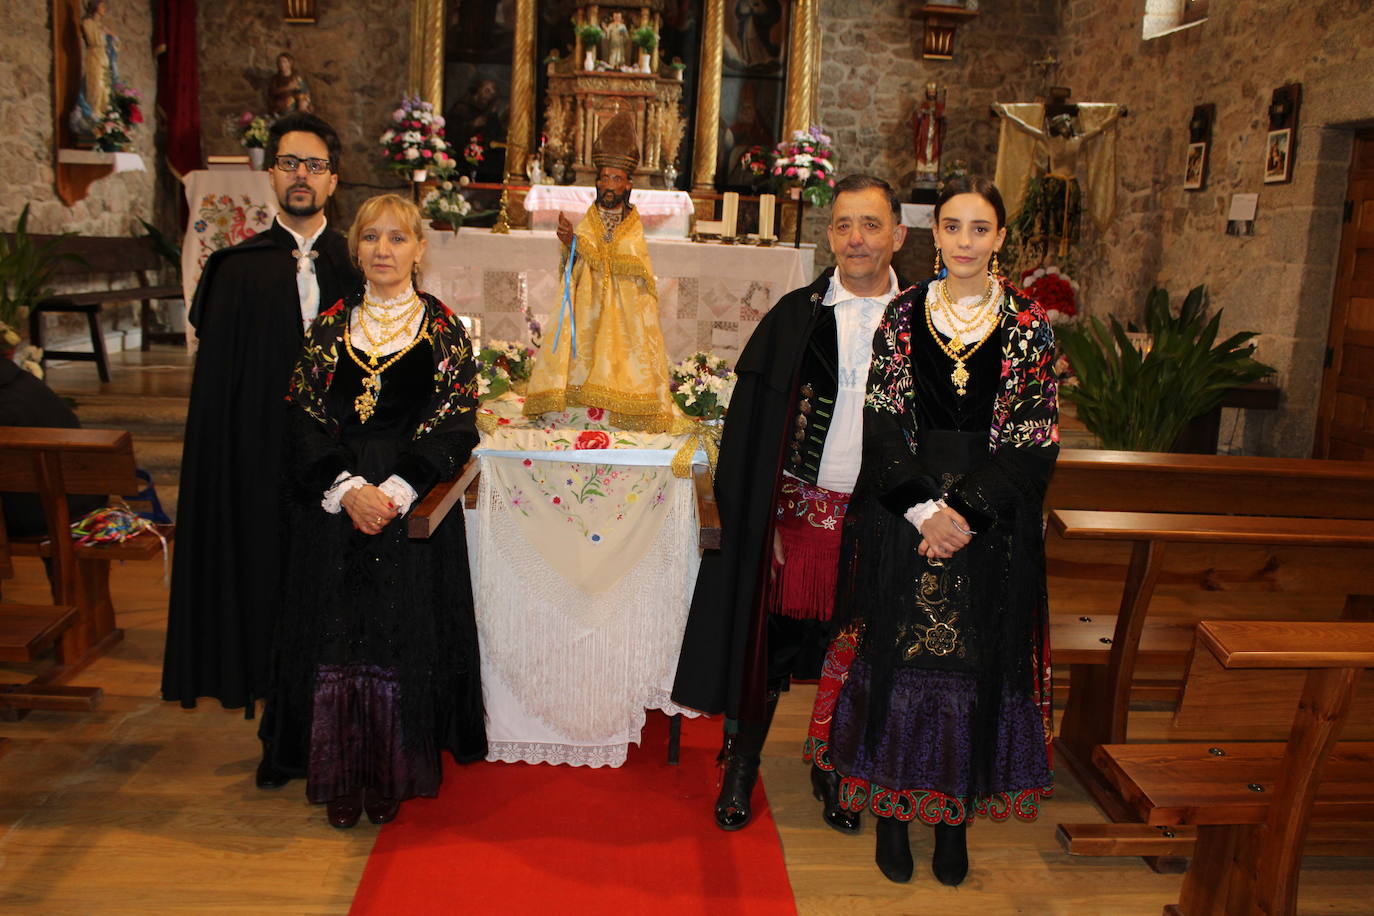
(825, 785)
(893, 851)
(733, 810)
(950, 861)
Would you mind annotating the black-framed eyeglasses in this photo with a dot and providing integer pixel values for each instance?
(313, 166)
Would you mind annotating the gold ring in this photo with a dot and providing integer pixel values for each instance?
(379, 520)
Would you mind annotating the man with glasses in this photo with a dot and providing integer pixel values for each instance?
(251, 307)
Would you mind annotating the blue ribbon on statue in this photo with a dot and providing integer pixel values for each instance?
(567, 307)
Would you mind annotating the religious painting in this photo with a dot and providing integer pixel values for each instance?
(755, 37)
(751, 112)
(1283, 127)
(1195, 167)
(1278, 156)
(478, 43)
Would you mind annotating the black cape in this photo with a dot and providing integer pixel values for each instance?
(226, 565)
(718, 653)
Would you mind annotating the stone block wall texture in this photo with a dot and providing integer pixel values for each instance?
(115, 203)
(1279, 281)
(355, 59)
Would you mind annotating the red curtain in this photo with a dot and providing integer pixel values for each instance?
(178, 82)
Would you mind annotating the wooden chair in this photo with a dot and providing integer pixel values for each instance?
(1250, 804)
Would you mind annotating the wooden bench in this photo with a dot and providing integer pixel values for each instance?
(55, 463)
(1250, 804)
(101, 260)
(1100, 694)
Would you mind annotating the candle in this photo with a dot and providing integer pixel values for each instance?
(766, 204)
(728, 212)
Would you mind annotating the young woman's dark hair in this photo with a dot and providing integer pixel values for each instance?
(973, 184)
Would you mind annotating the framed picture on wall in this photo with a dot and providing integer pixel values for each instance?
(1195, 167)
(1278, 156)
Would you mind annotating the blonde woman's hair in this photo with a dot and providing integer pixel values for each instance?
(406, 212)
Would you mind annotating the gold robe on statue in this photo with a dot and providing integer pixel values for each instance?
(621, 363)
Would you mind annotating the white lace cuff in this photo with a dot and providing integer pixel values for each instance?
(399, 492)
(919, 513)
(333, 497)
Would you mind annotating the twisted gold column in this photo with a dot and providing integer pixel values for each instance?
(802, 66)
(708, 97)
(520, 128)
(425, 75)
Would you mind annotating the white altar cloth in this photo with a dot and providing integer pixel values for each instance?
(663, 213)
(710, 296)
(225, 207)
(574, 650)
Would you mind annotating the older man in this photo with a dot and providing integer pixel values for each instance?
(251, 307)
(788, 462)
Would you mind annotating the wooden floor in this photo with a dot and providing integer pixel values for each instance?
(141, 807)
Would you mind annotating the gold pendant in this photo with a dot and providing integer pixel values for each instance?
(959, 376)
(366, 403)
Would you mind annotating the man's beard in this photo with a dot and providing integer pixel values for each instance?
(611, 200)
(307, 209)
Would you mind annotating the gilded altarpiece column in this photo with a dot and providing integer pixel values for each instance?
(804, 47)
(426, 73)
(708, 97)
(521, 127)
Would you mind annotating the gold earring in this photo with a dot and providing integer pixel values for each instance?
(996, 267)
(937, 262)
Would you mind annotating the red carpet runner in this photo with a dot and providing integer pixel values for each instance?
(520, 839)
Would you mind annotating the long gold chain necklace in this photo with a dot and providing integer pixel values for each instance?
(959, 352)
(366, 403)
(963, 329)
(389, 326)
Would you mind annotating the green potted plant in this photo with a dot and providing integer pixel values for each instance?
(26, 267)
(1140, 398)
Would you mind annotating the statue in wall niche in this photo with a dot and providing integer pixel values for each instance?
(928, 129)
(616, 44)
(99, 70)
(287, 92)
(1053, 165)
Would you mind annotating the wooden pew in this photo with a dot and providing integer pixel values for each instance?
(55, 463)
(1251, 803)
(1099, 700)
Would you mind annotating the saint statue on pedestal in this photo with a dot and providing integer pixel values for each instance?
(287, 92)
(617, 41)
(928, 130)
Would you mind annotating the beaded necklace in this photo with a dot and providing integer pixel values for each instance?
(956, 349)
(366, 403)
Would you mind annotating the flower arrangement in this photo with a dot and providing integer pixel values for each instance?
(474, 152)
(445, 203)
(126, 101)
(1055, 290)
(701, 385)
(111, 133)
(415, 139)
(757, 161)
(505, 365)
(590, 34)
(253, 130)
(806, 161)
(645, 38)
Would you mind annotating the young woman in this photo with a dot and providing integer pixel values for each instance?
(944, 712)
(376, 668)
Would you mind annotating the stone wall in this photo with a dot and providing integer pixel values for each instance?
(354, 59)
(872, 75)
(1278, 281)
(26, 109)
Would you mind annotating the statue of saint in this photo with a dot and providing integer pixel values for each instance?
(287, 92)
(621, 361)
(617, 41)
(928, 129)
(99, 53)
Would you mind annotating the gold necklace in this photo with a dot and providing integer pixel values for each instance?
(958, 353)
(366, 403)
(390, 329)
(387, 313)
(961, 327)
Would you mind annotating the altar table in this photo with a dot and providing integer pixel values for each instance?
(583, 550)
(710, 296)
(226, 206)
(663, 213)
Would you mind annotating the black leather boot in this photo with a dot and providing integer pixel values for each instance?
(740, 756)
(893, 851)
(825, 785)
(950, 861)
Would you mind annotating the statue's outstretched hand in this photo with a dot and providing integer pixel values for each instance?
(565, 230)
